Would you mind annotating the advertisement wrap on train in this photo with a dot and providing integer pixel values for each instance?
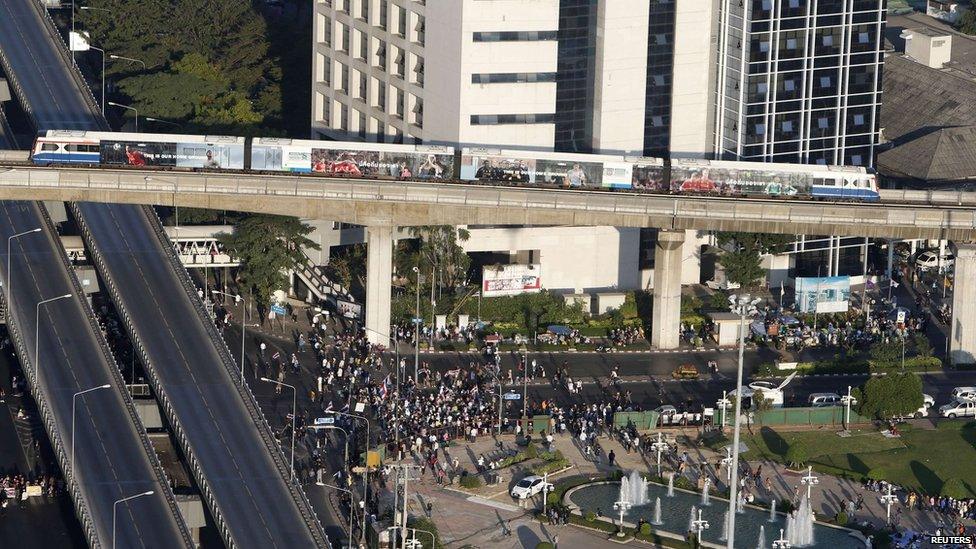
(444, 164)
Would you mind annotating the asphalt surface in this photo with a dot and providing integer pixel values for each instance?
(252, 496)
(35, 62)
(112, 461)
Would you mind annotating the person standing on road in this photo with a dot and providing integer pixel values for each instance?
(263, 348)
(611, 457)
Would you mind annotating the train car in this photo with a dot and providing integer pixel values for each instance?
(139, 149)
(352, 159)
(574, 171)
(688, 176)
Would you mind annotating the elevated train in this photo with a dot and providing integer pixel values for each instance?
(449, 165)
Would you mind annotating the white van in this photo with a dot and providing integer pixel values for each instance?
(822, 400)
(958, 408)
(964, 393)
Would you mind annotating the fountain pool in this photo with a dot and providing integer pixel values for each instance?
(674, 515)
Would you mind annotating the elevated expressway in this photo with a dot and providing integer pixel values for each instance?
(238, 465)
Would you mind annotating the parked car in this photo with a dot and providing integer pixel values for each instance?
(928, 400)
(822, 400)
(530, 486)
(722, 285)
(964, 393)
(686, 371)
(930, 260)
(958, 408)
(666, 410)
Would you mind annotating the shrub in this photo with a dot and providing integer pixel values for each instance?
(645, 529)
(531, 452)
(470, 481)
(554, 455)
(550, 466)
(878, 473)
(785, 506)
(590, 516)
(841, 519)
(954, 488)
(796, 454)
(543, 545)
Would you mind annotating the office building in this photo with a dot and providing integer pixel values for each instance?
(799, 80)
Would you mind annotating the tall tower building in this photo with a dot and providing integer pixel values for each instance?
(799, 80)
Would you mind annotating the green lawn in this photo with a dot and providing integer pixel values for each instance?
(920, 459)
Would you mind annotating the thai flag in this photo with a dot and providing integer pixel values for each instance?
(384, 389)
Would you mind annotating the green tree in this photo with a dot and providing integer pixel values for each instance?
(349, 266)
(742, 254)
(440, 249)
(886, 356)
(760, 403)
(889, 396)
(796, 454)
(967, 22)
(922, 346)
(268, 246)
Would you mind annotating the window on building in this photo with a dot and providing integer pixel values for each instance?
(512, 77)
(657, 121)
(824, 81)
(858, 119)
(794, 4)
(767, 5)
(823, 122)
(791, 43)
(497, 119)
(363, 46)
(856, 159)
(764, 46)
(384, 14)
(760, 129)
(787, 126)
(789, 85)
(762, 88)
(343, 38)
(514, 36)
(863, 38)
(827, 39)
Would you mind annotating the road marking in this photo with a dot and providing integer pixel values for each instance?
(496, 504)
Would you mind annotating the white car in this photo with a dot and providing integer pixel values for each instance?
(958, 408)
(964, 393)
(530, 486)
(666, 410)
(927, 402)
(930, 260)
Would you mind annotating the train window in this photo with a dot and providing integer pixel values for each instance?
(49, 147)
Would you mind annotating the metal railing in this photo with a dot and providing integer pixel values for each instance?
(318, 282)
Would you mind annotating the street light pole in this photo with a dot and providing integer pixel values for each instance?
(740, 305)
(100, 50)
(336, 428)
(416, 332)
(74, 400)
(130, 59)
(294, 411)
(151, 119)
(352, 513)
(10, 295)
(365, 469)
(115, 506)
(37, 335)
(238, 299)
(114, 104)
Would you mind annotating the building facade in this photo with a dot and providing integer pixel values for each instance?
(799, 80)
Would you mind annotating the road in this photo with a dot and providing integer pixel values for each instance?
(255, 501)
(111, 451)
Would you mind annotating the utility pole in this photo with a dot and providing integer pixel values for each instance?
(403, 476)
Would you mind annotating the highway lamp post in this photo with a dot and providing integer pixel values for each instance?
(700, 525)
(782, 542)
(133, 109)
(100, 50)
(727, 463)
(115, 507)
(352, 511)
(525, 391)
(238, 299)
(158, 121)
(433, 540)
(37, 334)
(74, 401)
(810, 480)
(294, 411)
(888, 499)
(416, 332)
(345, 464)
(904, 335)
(659, 446)
(10, 238)
(742, 306)
(129, 59)
(365, 469)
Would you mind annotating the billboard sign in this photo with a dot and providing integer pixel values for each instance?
(184, 155)
(829, 294)
(511, 279)
(383, 164)
(349, 309)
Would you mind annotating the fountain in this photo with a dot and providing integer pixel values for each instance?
(704, 494)
(725, 528)
(671, 485)
(772, 511)
(657, 513)
(761, 544)
(799, 524)
(740, 504)
(633, 490)
(692, 517)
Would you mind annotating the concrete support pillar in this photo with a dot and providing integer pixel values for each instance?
(891, 259)
(666, 312)
(962, 330)
(379, 279)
